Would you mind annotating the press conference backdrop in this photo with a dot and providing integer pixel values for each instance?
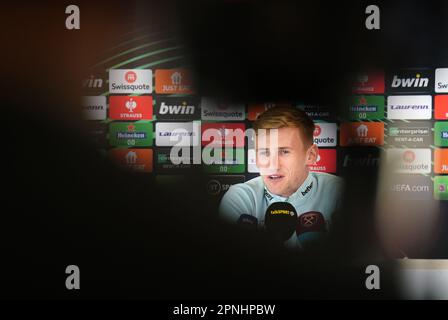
(142, 90)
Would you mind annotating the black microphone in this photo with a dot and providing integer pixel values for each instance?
(248, 221)
(280, 220)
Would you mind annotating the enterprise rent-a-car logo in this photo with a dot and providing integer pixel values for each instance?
(415, 134)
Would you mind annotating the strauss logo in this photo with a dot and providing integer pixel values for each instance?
(131, 105)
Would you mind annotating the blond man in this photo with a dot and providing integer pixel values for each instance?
(284, 150)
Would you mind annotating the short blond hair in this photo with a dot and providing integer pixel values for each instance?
(286, 117)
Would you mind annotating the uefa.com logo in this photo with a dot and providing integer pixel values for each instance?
(183, 141)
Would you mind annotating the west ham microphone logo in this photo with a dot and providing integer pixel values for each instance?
(312, 221)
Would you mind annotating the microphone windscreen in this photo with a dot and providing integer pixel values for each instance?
(281, 220)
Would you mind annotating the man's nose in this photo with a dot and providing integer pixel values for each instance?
(273, 161)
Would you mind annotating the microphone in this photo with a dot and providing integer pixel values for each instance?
(248, 221)
(311, 228)
(280, 220)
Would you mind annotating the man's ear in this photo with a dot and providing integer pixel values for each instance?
(311, 155)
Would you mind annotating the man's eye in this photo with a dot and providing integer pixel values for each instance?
(284, 151)
(263, 153)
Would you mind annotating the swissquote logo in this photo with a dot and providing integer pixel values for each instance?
(441, 82)
(221, 111)
(325, 134)
(410, 160)
(130, 76)
(130, 81)
(411, 80)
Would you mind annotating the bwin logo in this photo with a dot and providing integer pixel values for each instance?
(417, 82)
(92, 82)
(307, 189)
(176, 109)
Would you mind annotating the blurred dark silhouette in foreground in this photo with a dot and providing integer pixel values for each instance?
(66, 204)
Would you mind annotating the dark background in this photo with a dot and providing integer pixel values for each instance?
(65, 204)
